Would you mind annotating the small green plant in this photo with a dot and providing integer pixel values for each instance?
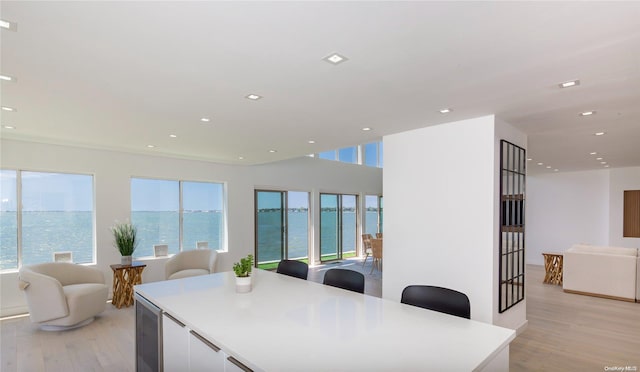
(243, 268)
(124, 237)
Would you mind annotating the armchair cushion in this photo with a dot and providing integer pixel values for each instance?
(191, 263)
(63, 294)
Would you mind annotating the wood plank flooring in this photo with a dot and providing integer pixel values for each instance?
(566, 332)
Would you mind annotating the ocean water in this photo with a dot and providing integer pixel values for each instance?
(48, 232)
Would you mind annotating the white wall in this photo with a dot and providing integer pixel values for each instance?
(564, 209)
(440, 211)
(621, 179)
(112, 172)
(577, 207)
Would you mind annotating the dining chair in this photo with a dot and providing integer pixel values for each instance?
(297, 269)
(440, 299)
(376, 253)
(345, 279)
(366, 247)
(379, 235)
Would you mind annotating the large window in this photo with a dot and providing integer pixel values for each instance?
(373, 214)
(177, 213)
(371, 154)
(338, 226)
(55, 214)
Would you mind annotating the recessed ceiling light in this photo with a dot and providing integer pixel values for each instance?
(529, 159)
(598, 158)
(7, 78)
(8, 25)
(540, 163)
(5, 108)
(606, 166)
(9, 127)
(272, 151)
(568, 84)
(445, 111)
(173, 136)
(335, 58)
(311, 141)
(241, 157)
(603, 162)
(599, 134)
(548, 167)
(593, 153)
(205, 120)
(587, 113)
(555, 170)
(253, 97)
(150, 146)
(366, 129)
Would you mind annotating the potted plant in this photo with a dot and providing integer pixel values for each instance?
(242, 270)
(124, 235)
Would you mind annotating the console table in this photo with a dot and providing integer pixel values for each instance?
(124, 278)
(552, 268)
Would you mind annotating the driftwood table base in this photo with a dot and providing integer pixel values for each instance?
(124, 278)
(552, 268)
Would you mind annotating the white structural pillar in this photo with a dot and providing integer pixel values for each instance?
(441, 187)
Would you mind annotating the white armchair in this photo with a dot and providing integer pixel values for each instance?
(191, 263)
(63, 295)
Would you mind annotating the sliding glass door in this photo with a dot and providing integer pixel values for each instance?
(282, 227)
(338, 226)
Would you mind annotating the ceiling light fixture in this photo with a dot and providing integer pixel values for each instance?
(548, 167)
(335, 59)
(311, 142)
(529, 159)
(603, 162)
(599, 134)
(7, 78)
(272, 151)
(593, 153)
(241, 157)
(570, 83)
(9, 127)
(555, 170)
(253, 97)
(540, 163)
(12, 26)
(366, 129)
(445, 111)
(598, 158)
(151, 146)
(10, 109)
(205, 120)
(606, 166)
(587, 113)
(173, 136)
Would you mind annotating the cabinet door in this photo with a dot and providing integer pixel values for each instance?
(204, 355)
(175, 339)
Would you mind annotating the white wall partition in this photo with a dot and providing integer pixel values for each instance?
(441, 205)
(577, 207)
(112, 177)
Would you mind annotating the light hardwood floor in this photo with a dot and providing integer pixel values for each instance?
(566, 332)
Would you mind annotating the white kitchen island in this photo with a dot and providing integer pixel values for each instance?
(289, 324)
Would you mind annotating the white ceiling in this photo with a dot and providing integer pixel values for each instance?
(123, 75)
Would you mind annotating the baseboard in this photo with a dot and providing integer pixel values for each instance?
(522, 327)
(600, 295)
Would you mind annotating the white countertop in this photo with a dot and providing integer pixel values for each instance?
(289, 324)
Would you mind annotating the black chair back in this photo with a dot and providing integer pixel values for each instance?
(440, 299)
(297, 269)
(345, 279)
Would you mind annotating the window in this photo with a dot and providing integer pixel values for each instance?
(348, 155)
(371, 154)
(177, 213)
(338, 226)
(55, 214)
(373, 214)
(328, 155)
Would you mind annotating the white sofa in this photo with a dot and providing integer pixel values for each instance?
(610, 272)
(63, 295)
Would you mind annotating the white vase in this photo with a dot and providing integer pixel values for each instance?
(126, 260)
(243, 284)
